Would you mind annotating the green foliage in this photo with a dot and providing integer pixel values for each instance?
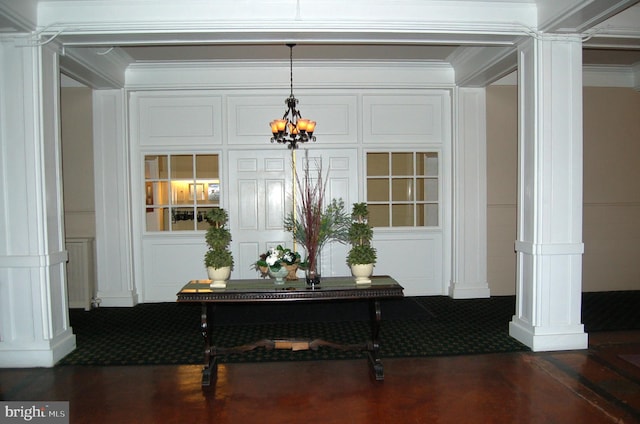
(360, 235)
(218, 238)
(362, 255)
(331, 224)
(359, 212)
(218, 258)
(217, 217)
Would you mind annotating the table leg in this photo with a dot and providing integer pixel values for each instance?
(374, 348)
(206, 325)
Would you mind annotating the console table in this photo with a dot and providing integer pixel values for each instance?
(259, 291)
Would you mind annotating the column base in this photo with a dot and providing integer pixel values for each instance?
(543, 339)
(37, 354)
(461, 291)
(117, 299)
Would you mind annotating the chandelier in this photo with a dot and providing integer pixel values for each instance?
(292, 128)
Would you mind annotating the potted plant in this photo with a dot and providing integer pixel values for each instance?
(218, 259)
(314, 224)
(362, 256)
(279, 262)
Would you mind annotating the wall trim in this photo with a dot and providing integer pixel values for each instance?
(596, 76)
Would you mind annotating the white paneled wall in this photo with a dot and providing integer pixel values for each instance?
(188, 119)
(234, 124)
(81, 272)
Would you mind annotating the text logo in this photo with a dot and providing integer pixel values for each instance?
(34, 412)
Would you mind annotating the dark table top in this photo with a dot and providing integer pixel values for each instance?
(264, 290)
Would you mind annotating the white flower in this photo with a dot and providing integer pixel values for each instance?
(272, 258)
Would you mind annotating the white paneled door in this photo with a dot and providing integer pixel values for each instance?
(261, 187)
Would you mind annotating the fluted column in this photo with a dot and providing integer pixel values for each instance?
(549, 244)
(469, 256)
(34, 322)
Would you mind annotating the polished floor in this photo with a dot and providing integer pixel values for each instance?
(598, 385)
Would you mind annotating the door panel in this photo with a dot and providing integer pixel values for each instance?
(260, 195)
(257, 181)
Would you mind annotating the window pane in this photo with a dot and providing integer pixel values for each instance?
(431, 214)
(180, 192)
(183, 219)
(207, 167)
(427, 189)
(402, 215)
(155, 167)
(202, 223)
(378, 215)
(157, 219)
(197, 192)
(213, 192)
(377, 164)
(160, 193)
(401, 164)
(182, 166)
(427, 164)
(402, 189)
(378, 190)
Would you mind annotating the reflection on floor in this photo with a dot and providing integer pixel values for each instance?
(597, 385)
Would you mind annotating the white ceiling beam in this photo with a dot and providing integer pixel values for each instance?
(95, 68)
(19, 16)
(577, 16)
(481, 66)
(411, 21)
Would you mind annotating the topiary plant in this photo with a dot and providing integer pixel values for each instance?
(218, 238)
(360, 236)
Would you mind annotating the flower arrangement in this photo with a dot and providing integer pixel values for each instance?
(315, 223)
(277, 257)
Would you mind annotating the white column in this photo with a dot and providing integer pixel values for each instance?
(549, 246)
(34, 321)
(469, 268)
(114, 230)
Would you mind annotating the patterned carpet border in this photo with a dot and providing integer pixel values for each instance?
(169, 333)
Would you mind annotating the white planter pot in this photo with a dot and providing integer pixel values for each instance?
(219, 276)
(362, 272)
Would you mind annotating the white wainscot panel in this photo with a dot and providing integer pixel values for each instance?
(249, 117)
(186, 120)
(407, 118)
(170, 263)
(414, 259)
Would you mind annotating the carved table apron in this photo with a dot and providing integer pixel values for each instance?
(260, 291)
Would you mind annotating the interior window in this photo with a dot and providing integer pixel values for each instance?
(180, 189)
(403, 189)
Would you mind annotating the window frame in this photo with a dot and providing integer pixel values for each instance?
(436, 205)
(195, 204)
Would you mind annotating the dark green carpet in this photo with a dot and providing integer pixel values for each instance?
(169, 333)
